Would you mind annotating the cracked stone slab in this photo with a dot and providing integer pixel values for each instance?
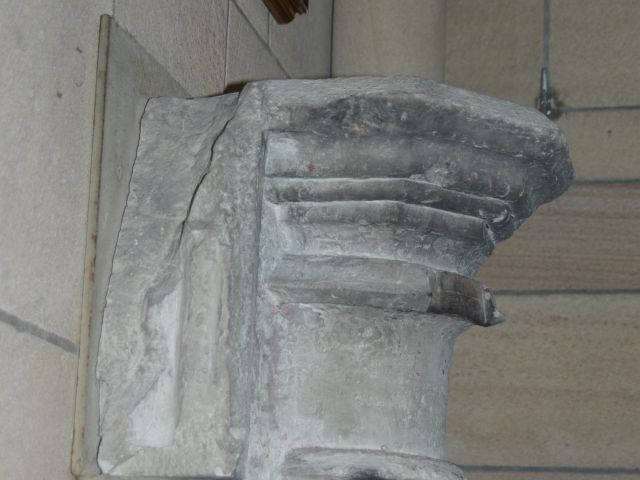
(160, 408)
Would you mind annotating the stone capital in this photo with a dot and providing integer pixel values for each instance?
(293, 267)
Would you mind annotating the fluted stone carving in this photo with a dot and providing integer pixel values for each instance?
(293, 267)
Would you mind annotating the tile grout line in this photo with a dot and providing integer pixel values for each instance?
(546, 50)
(551, 469)
(261, 40)
(23, 326)
(568, 291)
(606, 181)
(596, 109)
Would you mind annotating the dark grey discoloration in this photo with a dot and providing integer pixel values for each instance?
(367, 475)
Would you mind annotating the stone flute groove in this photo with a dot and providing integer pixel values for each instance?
(413, 192)
(293, 267)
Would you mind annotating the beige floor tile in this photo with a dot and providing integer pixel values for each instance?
(188, 38)
(304, 45)
(557, 385)
(248, 58)
(48, 78)
(586, 239)
(36, 418)
(404, 37)
(257, 14)
(495, 47)
(594, 54)
(603, 145)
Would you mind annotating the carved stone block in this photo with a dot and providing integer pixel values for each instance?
(293, 267)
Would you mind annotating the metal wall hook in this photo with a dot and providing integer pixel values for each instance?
(546, 99)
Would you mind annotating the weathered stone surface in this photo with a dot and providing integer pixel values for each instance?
(163, 388)
(292, 270)
(307, 464)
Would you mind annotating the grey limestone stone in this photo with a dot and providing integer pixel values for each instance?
(163, 390)
(293, 266)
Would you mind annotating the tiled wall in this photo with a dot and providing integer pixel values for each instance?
(554, 393)
(47, 74)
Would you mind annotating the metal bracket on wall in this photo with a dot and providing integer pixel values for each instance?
(546, 99)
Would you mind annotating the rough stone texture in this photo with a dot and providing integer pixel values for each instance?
(48, 80)
(309, 464)
(298, 300)
(171, 390)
